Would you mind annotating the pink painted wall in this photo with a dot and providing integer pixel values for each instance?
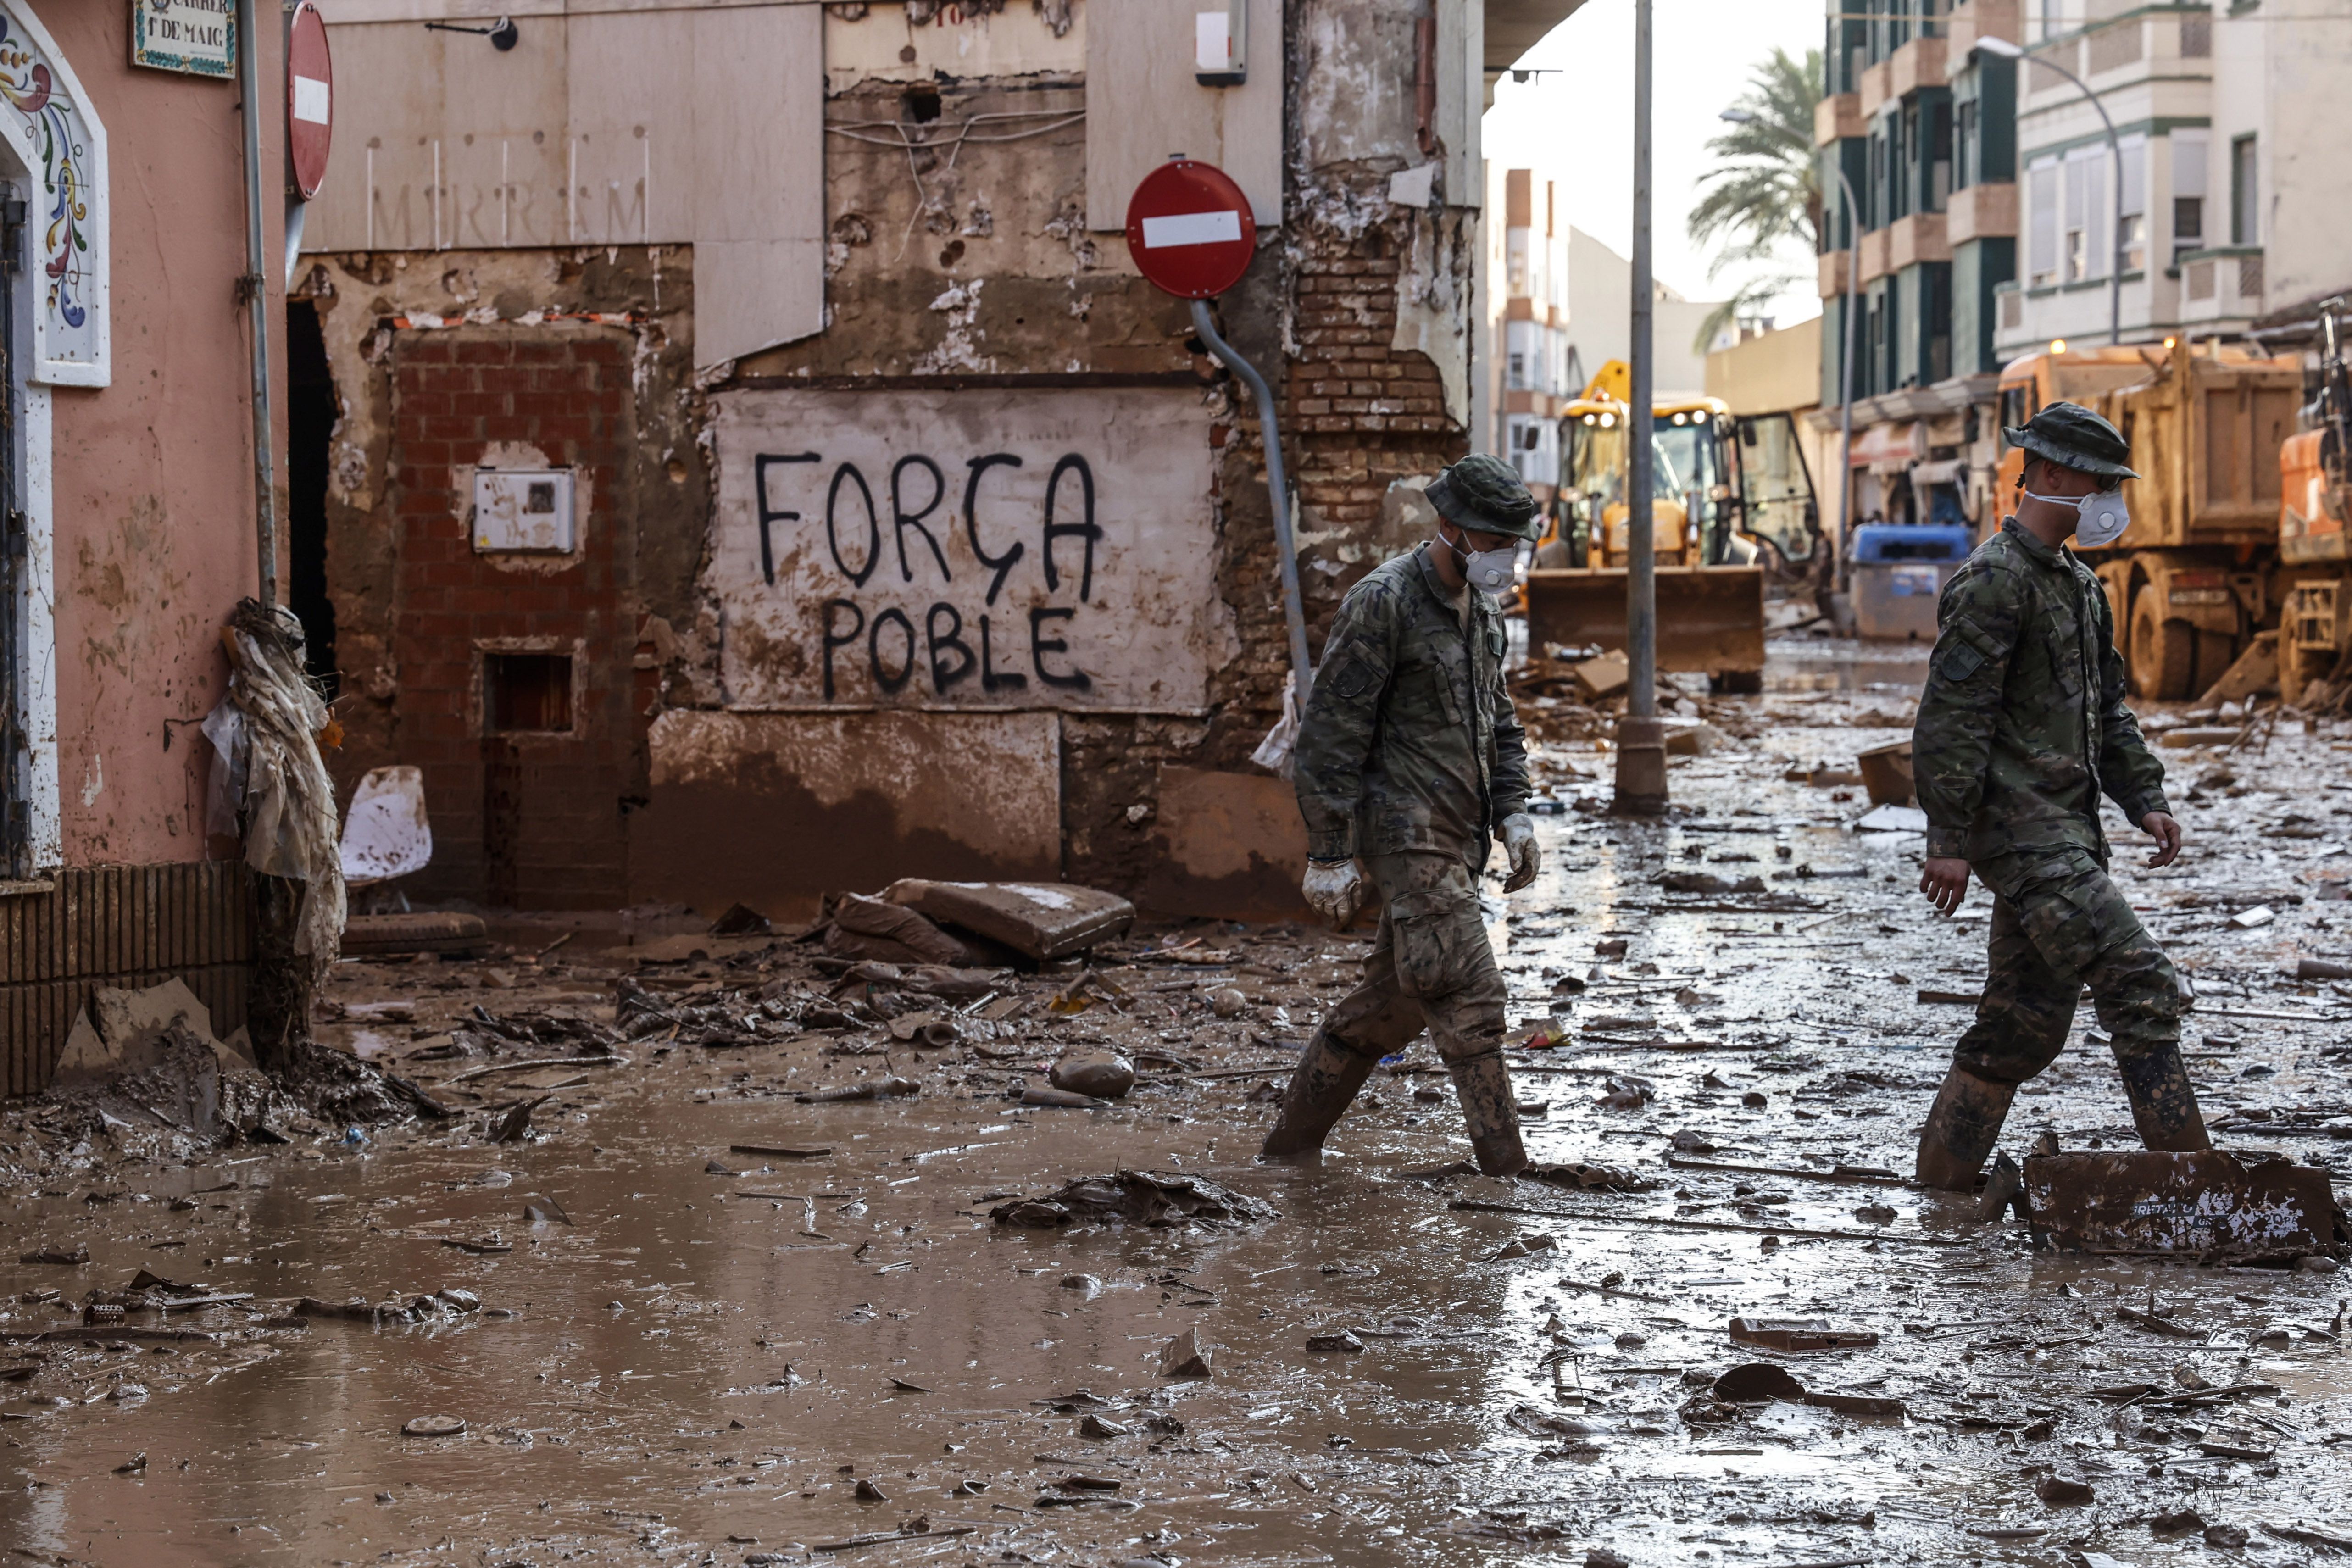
(153, 475)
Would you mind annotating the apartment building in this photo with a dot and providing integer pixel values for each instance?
(2232, 180)
(1532, 372)
(1920, 126)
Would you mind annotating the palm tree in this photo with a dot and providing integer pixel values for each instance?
(1765, 187)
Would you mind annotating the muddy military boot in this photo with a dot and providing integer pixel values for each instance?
(1961, 1130)
(1491, 1111)
(1322, 1086)
(2163, 1105)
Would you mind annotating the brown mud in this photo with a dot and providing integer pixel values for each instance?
(697, 1354)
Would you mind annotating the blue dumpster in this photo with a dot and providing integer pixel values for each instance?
(1899, 569)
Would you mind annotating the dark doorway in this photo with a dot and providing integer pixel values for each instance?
(310, 415)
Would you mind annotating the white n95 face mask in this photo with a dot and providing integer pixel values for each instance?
(1489, 570)
(2104, 516)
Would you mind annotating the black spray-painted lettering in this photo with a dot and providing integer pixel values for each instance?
(768, 514)
(1040, 646)
(943, 674)
(944, 645)
(902, 520)
(990, 681)
(1086, 528)
(833, 639)
(891, 684)
(999, 565)
(873, 525)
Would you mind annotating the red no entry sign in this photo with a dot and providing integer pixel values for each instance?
(1190, 230)
(309, 98)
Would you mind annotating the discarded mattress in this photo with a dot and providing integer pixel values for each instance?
(420, 931)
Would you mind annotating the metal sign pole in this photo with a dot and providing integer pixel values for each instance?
(1294, 608)
(1641, 739)
(265, 461)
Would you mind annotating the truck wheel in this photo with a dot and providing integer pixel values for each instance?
(2216, 652)
(2161, 654)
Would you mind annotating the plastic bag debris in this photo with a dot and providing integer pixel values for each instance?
(284, 803)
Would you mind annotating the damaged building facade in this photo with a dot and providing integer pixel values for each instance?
(129, 475)
(735, 456)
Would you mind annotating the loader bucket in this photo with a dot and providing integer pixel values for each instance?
(1710, 618)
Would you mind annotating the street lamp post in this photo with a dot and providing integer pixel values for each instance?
(1845, 353)
(2001, 48)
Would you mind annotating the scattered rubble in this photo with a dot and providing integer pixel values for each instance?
(1721, 1069)
(1138, 1197)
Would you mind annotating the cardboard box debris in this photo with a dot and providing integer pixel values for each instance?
(1603, 677)
(1886, 773)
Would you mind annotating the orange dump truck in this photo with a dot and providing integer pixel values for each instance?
(2200, 577)
(2316, 625)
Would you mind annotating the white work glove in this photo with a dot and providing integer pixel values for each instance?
(1335, 890)
(1518, 835)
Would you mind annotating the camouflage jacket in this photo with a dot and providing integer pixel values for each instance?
(1409, 740)
(2022, 725)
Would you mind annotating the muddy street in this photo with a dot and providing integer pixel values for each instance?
(690, 1311)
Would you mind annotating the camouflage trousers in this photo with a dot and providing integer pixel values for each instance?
(2060, 923)
(1430, 965)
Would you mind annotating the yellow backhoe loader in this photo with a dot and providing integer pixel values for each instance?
(1731, 499)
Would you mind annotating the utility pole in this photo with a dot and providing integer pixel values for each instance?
(1641, 739)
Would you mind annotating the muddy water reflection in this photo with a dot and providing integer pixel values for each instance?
(702, 1367)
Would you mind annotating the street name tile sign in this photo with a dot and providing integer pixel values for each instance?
(195, 37)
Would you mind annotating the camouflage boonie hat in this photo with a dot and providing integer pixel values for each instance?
(2072, 436)
(1486, 494)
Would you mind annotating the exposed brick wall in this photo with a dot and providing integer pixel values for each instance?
(1357, 415)
(528, 821)
(1366, 414)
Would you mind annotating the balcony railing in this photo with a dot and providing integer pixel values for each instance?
(2221, 282)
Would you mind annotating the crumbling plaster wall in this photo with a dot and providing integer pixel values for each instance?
(969, 264)
(975, 264)
(151, 477)
(654, 512)
(1377, 383)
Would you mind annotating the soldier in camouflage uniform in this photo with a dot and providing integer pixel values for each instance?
(2020, 730)
(1407, 758)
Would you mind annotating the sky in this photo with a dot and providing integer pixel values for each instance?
(1576, 128)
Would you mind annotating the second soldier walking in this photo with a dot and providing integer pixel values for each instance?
(2022, 727)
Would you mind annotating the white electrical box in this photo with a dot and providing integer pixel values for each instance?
(1221, 46)
(523, 510)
